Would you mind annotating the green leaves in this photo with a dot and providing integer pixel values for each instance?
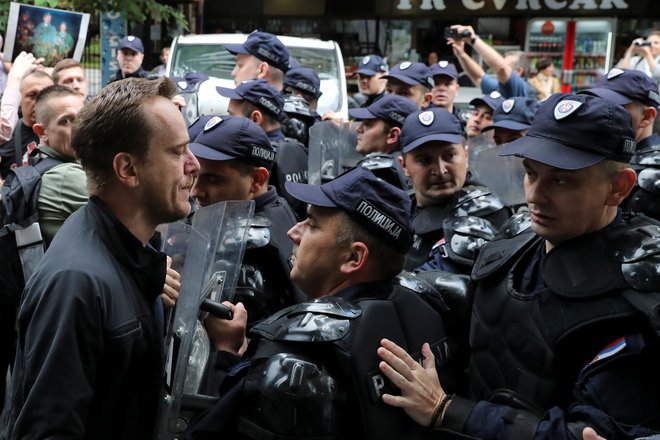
(136, 10)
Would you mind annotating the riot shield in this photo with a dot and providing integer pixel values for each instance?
(504, 175)
(208, 255)
(331, 150)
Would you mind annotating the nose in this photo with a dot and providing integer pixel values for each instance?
(295, 233)
(192, 164)
(441, 167)
(360, 128)
(534, 192)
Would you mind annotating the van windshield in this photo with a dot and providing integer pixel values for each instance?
(215, 61)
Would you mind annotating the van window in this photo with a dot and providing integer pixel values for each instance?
(215, 61)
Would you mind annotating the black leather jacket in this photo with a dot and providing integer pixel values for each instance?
(89, 363)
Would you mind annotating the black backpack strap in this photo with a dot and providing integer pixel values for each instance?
(45, 163)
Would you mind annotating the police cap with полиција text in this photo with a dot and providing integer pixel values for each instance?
(379, 207)
(232, 137)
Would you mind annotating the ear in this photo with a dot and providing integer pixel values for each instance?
(40, 131)
(428, 98)
(393, 136)
(126, 171)
(648, 117)
(402, 162)
(263, 70)
(357, 258)
(257, 117)
(259, 179)
(622, 183)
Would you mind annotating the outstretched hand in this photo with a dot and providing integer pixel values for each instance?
(420, 387)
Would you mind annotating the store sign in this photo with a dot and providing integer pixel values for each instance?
(516, 5)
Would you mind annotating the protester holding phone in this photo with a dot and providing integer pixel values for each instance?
(644, 54)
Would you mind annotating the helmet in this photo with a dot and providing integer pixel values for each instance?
(300, 118)
(289, 396)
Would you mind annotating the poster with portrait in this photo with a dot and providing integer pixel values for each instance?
(52, 34)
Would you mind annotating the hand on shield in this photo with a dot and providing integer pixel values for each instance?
(172, 286)
(229, 334)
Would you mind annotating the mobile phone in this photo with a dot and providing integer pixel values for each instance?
(453, 33)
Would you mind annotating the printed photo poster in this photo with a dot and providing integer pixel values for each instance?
(52, 34)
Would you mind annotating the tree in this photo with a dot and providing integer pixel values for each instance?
(137, 11)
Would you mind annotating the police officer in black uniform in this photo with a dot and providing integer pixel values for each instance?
(564, 330)
(452, 216)
(512, 119)
(302, 90)
(130, 56)
(305, 82)
(263, 104)
(639, 95)
(312, 370)
(411, 80)
(378, 135)
(235, 159)
(445, 88)
(370, 72)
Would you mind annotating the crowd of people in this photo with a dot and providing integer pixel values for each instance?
(402, 297)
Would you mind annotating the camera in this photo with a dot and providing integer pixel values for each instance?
(643, 43)
(453, 33)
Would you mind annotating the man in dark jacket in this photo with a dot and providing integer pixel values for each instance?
(89, 361)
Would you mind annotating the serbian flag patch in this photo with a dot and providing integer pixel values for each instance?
(609, 350)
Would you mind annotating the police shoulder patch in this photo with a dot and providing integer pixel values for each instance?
(426, 118)
(405, 65)
(565, 108)
(215, 120)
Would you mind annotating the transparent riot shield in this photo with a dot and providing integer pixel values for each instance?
(504, 175)
(208, 255)
(331, 150)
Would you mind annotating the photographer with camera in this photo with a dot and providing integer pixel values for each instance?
(509, 69)
(644, 55)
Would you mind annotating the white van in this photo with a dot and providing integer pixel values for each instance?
(206, 53)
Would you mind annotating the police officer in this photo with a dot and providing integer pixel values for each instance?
(411, 80)
(435, 158)
(371, 85)
(312, 369)
(262, 55)
(303, 81)
(235, 160)
(378, 135)
(563, 332)
(512, 119)
(445, 86)
(380, 124)
(370, 72)
(263, 104)
(130, 56)
(302, 88)
(639, 95)
(481, 115)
